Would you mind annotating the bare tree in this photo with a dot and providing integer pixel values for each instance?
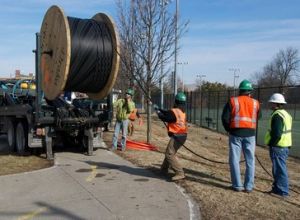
(147, 33)
(168, 83)
(281, 70)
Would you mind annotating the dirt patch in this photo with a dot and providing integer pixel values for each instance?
(209, 183)
(12, 163)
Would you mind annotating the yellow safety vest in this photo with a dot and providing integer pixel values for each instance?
(286, 137)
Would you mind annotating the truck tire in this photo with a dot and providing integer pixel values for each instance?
(21, 138)
(11, 135)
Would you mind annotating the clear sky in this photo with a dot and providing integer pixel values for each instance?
(222, 34)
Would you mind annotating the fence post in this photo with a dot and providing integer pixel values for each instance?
(295, 109)
(190, 107)
(208, 108)
(194, 106)
(187, 106)
(201, 108)
(218, 105)
(258, 98)
(228, 94)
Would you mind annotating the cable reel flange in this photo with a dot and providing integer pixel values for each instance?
(56, 43)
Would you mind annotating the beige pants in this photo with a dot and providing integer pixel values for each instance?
(171, 160)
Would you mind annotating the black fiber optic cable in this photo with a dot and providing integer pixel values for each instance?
(91, 55)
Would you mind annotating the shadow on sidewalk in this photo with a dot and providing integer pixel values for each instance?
(144, 172)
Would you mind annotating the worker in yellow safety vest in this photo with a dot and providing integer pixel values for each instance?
(123, 107)
(177, 131)
(279, 139)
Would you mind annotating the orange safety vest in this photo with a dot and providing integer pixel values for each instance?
(132, 115)
(243, 112)
(180, 126)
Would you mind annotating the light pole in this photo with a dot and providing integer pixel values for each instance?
(176, 39)
(200, 76)
(182, 64)
(163, 4)
(235, 76)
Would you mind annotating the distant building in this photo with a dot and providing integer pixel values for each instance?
(18, 75)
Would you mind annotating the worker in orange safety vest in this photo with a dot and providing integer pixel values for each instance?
(177, 131)
(239, 118)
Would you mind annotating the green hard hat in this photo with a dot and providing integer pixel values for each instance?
(130, 92)
(245, 85)
(180, 97)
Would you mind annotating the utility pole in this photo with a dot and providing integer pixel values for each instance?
(235, 76)
(161, 80)
(176, 49)
(182, 63)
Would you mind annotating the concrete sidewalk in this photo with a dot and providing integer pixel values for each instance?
(103, 186)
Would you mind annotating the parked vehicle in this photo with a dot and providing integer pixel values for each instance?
(32, 123)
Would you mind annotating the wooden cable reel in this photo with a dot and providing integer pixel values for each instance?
(56, 45)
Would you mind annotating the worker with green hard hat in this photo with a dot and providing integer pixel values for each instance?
(123, 107)
(239, 118)
(130, 92)
(245, 86)
(177, 131)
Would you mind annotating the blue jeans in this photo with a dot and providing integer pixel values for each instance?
(236, 145)
(278, 157)
(120, 125)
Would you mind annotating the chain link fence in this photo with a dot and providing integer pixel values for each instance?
(205, 109)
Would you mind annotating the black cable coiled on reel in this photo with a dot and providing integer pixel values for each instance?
(91, 55)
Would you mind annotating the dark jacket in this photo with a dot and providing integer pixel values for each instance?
(276, 130)
(166, 116)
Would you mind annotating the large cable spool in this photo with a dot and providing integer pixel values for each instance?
(78, 54)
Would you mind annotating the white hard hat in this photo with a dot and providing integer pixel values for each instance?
(277, 98)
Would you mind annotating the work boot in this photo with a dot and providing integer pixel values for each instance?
(178, 176)
(272, 193)
(164, 171)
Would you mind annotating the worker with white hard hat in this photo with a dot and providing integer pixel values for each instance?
(279, 139)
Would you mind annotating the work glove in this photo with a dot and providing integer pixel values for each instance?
(155, 107)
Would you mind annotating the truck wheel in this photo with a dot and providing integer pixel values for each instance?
(11, 135)
(21, 138)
